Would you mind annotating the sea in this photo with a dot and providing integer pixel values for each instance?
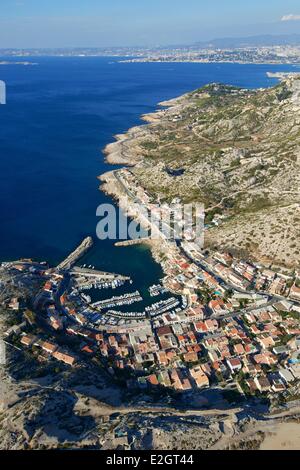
(59, 115)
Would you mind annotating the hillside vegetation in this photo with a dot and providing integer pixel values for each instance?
(238, 152)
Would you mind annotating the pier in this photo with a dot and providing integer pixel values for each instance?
(157, 289)
(93, 273)
(85, 245)
(162, 306)
(137, 241)
(126, 299)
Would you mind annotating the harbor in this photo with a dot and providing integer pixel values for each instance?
(87, 279)
(117, 301)
(157, 289)
(162, 306)
(85, 245)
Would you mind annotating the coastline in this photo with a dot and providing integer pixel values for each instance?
(140, 149)
(110, 186)
(152, 60)
(123, 151)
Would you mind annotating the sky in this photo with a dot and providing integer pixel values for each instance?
(104, 23)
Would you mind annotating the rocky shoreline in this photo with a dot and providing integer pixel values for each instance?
(126, 151)
(123, 151)
(112, 189)
(216, 145)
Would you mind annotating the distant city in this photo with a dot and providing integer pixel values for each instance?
(256, 49)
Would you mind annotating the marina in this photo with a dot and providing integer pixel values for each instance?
(99, 284)
(162, 306)
(127, 315)
(157, 289)
(117, 301)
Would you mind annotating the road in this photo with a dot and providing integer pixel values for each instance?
(206, 267)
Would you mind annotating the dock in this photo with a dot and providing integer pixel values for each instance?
(94, 273)
(137, 241)
(85, 245)
(117, 301)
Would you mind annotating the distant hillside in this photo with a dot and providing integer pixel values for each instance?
(252, 41)
(238, 152)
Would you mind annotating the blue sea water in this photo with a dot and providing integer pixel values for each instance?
(59, 116)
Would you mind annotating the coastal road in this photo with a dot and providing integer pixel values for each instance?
(204, 266)
(244, 310)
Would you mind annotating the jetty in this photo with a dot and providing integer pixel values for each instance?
(136, 241)
(125, 299)
(84, 246)
(94, 273)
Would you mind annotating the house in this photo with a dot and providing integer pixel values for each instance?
(14, 304)
(166, 337)
(162, 358)
(217, 307)
(48, 286)
(28, 340)
(86, 349)
(294, 343)
(213, 356)
(278, 286)
(225, 352)
(48, 347)
(277, 385)
(278, 350)
(190, 357)
(234, 364)
(80, 318)
(180, 380)
(251, 385)
(250, 369)
(295, 293)
(197, 312)
(225, 258)
(262, 383)
(265, 358)
(206, 369)
(250, 348)
(152, 379)
(255, 331)
(266, 341)
(268, 274)
(210, 280)
(250, 317)
(199, 377)
(286, 375)
(238, 281)
(120, 442)
(239, 349)
(211, 325)
(64, 357)
(175, 380)
(200, 327)
(186, 384)
(15, 329)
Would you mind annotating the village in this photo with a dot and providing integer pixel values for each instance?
(226, 323)
(215, 321)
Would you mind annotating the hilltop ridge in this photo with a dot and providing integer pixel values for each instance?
(235, 150)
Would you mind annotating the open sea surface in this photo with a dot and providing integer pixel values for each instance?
(59, 115)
